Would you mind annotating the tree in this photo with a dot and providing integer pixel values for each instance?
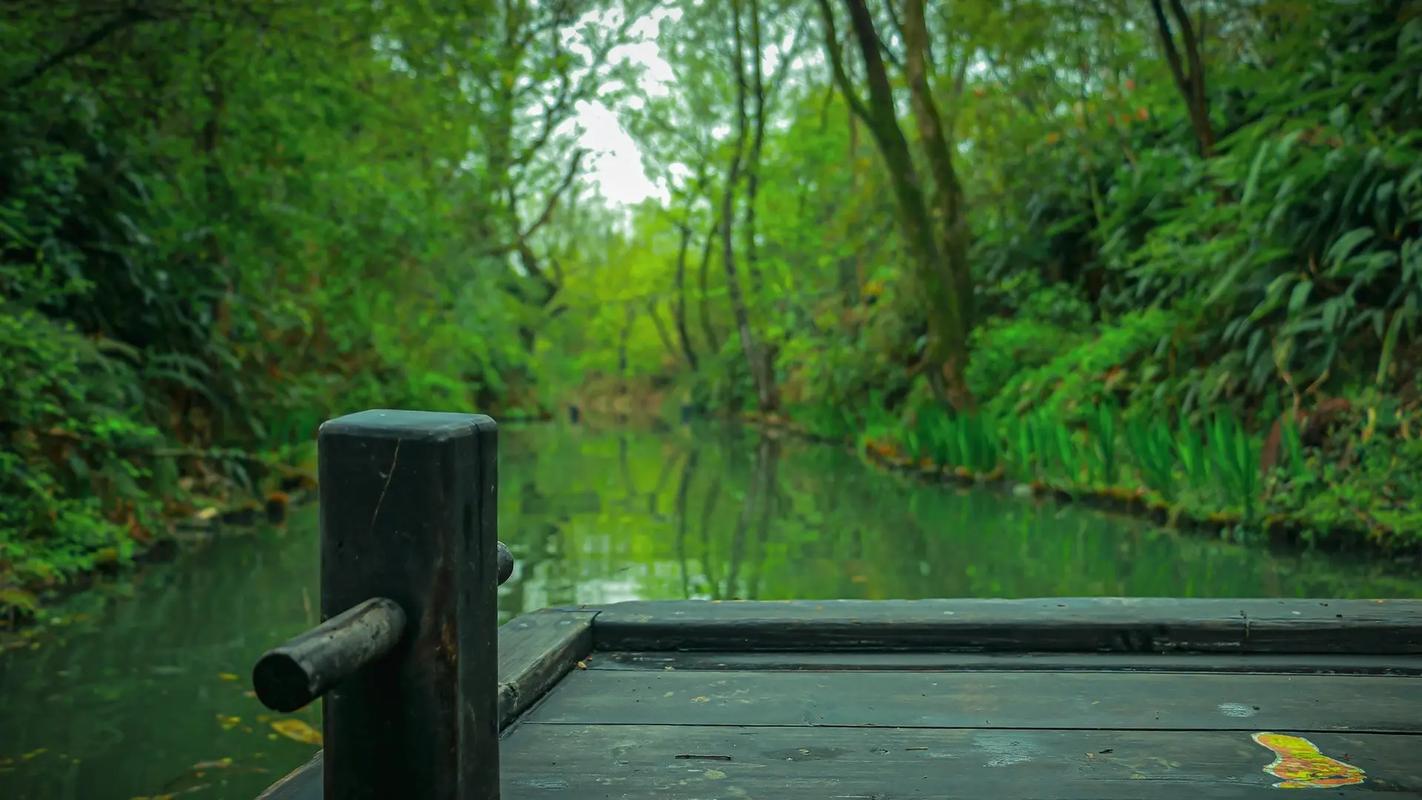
(931, 206)
(760, 368)
(1189, 76)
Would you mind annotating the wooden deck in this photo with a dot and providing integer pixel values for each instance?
(1051, 699)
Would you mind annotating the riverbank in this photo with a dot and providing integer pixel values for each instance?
(1291, 498)
(287, 479)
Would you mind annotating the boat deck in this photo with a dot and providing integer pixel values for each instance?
(1060, 699)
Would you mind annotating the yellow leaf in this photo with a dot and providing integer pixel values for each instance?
(298, 730)
(227, 721)
(228, 676)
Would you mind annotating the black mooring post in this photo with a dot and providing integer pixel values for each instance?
(408, 513)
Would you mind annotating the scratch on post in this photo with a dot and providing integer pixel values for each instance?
(395, 459)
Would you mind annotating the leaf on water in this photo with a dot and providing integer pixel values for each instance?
(229, 676)
(221, 763)
(298, 730)
(228, 722)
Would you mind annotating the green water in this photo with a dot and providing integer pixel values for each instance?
(138, 687)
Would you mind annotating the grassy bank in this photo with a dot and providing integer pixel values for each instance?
(1343, 477)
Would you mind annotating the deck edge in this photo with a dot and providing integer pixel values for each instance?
(1108, 624)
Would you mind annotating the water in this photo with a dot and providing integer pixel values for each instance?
(138, 688)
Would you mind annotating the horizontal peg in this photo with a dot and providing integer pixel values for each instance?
(290, 676)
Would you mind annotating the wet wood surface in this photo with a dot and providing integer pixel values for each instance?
(641, 762)
(845, 703)
(1068, 700)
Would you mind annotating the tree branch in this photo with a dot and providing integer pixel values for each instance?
(1167, 41)
(127, 18)
(549, 206)
(836, 57)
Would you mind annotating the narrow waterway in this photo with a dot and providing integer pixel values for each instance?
(139, 687)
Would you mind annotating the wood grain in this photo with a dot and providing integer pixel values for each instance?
(669, 762)
(535, 651)
(1067, 700)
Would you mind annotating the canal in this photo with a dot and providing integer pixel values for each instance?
(138, 688)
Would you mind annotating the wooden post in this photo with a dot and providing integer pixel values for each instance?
(408, 513)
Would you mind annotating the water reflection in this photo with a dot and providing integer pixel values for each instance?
(723, 514)
(140, 688)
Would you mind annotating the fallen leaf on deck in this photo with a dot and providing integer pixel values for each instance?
(298, 730)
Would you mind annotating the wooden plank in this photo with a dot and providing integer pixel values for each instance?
(636, 762)
(1068, 700)
(535, 651)
(1106, 624)
(994, 662)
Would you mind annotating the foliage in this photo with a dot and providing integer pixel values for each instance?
(222, 223)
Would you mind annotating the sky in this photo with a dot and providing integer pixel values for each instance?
(615, 164)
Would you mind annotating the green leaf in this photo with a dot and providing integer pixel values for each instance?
(1299, 295)
(1344, 245)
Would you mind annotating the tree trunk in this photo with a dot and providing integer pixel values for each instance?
(757, 145)
(937, 234)
(713, 341)
(679, 310)
(1190, 76)
(622, 363)
(764, 388)
(661, 329)
(767, 366)
(953, 281)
